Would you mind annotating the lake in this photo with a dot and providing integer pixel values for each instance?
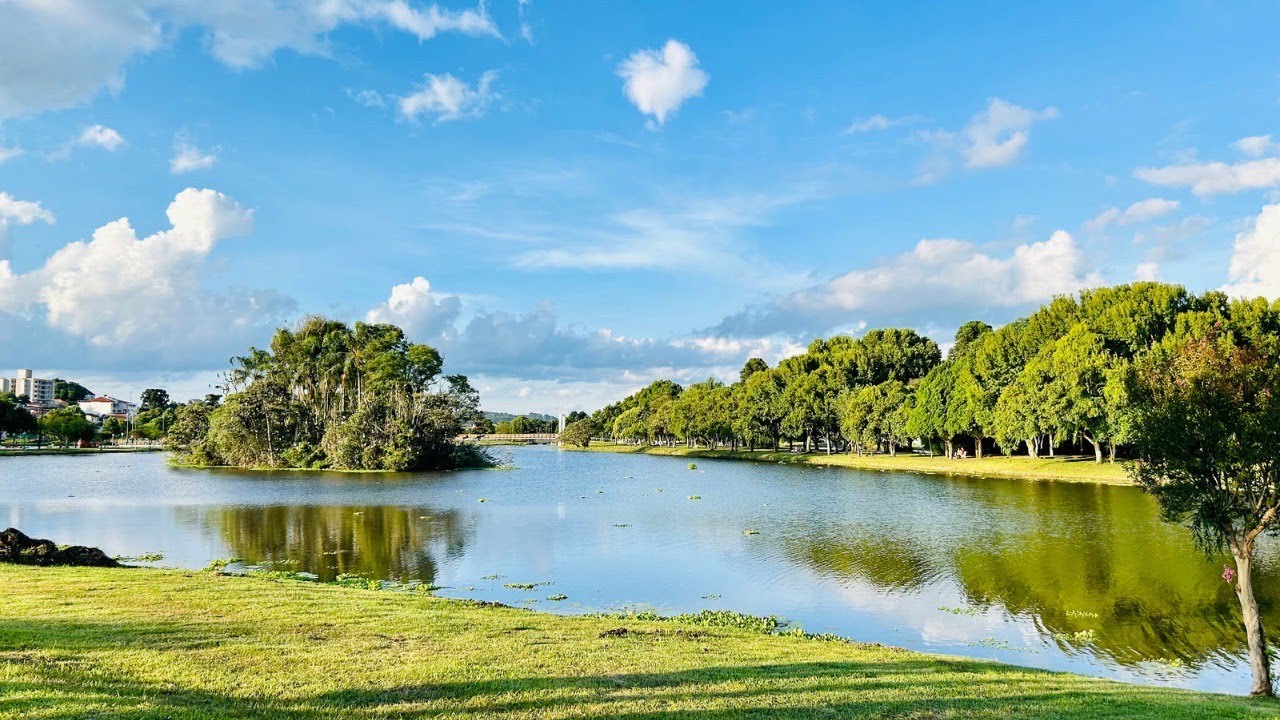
(1068, 576)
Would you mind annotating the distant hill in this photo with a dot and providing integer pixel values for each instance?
(498, 417)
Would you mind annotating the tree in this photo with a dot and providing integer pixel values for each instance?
(154, 399)
(69, 392)
(752, 366)
(1077, 367)
(578, 433)
(1206, 428)
(67, 424)
(14, 418)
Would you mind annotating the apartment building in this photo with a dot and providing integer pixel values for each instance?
(39, 391)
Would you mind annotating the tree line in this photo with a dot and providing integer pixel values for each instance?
(329, 395)
(1051, 380)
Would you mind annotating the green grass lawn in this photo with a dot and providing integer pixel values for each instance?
(137, 643)
(1076, 469)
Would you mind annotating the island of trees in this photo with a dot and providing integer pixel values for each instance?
(329, 395)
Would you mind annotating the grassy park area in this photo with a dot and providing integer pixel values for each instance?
(1072, 468)
(141, 643)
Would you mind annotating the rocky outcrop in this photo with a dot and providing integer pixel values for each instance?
(17, 548)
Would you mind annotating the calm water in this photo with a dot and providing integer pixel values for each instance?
(1056, 575)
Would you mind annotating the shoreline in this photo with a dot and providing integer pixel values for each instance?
(26, 452)
(183, 644)
(1065, 469)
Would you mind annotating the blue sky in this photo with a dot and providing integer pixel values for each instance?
(571, 199)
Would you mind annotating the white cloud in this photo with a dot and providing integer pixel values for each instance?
(536, 345)
(1139, 212)
(424, 316)
(99, 136)
(938, 282)
(9, 153)
(142, 298)
(447, 98)
(997, 136)
(1256, 145)
(1255, 258)
(1214, 178)
(878, 122)
(659, 81)
(60, 54)
(22, 212)
(18, 212)
(1147, 271)
(188, 158)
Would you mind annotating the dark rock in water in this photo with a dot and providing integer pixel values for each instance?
(16, 547)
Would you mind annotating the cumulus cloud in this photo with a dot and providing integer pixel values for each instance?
(1215, 178)
(425, 316)
(658, 82)
(189, 158)
(1255, 258)
(446, 98)
(22, 212)
(9, 153)
(998, 135)
(939, 282)
(99, 136)
(18, 212)
(61, 54)
(1139, 212)
(143, 298)
(1256, 145)
(537, 345)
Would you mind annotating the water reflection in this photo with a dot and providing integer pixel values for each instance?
(1065, 557)
(371, 541)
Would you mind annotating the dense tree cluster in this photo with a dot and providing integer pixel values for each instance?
(1054, 378)
(329, 395)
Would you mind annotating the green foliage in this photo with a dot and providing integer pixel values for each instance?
(328, 395)
(1054, 377)
(579, 433)
(69, 392)
(67, 425)
(14, 418)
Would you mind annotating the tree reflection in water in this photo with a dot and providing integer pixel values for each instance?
(391, 543)
(1093, 567)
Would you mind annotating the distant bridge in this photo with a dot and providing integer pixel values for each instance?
(514, 438)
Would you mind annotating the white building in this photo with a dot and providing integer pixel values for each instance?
(38, 390)
(104, 406)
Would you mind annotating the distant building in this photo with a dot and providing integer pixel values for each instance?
(39, 391)
(105, 406)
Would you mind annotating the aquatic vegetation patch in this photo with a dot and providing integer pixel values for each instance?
(143, 557)
(527, 586)
(969, 611)
(557, 597)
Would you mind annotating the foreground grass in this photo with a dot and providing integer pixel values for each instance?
(1076, 469)
(135, 643)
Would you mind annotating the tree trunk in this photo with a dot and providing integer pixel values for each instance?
(1111, 452)
(1259, 665)
(1097, 448)
(977, 447)
(1051, 444)
(950, 449)
(1032, 450)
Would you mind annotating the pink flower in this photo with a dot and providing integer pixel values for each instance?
(1228, 574)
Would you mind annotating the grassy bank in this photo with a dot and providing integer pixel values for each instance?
(167, 644)
(1078, 469)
